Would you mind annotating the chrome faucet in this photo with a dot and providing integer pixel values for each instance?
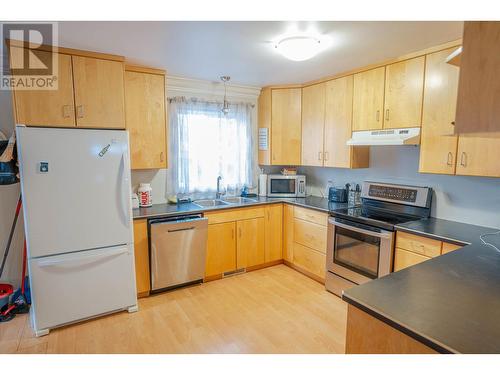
(219, 193)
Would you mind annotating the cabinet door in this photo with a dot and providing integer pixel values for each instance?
(310, 260)
(478, 156)
(449, 247)
(250, 248)
(313, 122)
(403, 259)
(145, 117)
(404, 83)
(368, 100)
(288, 232)
(221, 248)
(141, 252)
(99, 93)
(54, 108)
(338, 129)
(286, 126)
(438, 145)
(274, 232)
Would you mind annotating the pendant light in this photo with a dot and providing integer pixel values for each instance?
(225, 106)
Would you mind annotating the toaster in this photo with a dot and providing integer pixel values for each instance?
(338, 195)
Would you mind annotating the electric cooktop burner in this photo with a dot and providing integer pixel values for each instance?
(375, 217)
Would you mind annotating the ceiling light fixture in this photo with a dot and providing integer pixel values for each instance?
(225, 105)
(299, 47)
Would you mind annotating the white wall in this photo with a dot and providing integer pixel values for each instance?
(473, 200)
(8, 199)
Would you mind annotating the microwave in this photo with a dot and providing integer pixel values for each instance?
(281, 186)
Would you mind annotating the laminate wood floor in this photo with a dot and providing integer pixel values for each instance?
(273, 310)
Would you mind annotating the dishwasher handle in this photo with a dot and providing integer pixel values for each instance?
(180, 229)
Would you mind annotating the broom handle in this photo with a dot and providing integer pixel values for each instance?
(24, 267)
(18, 208)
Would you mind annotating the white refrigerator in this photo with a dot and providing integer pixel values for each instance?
(76, 192)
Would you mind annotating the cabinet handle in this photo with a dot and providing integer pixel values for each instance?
(239, 232)
(319, 155)
(387, 114)
(450, 159)
(453, 123)
(377, 116)
(463, 159)
(79, 111)
(326, 155)
(268, 216)
(232, 234)
(66, 111)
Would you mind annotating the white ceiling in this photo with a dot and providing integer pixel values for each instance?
(243, 50)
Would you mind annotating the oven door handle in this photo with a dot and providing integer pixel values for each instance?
(381, 234)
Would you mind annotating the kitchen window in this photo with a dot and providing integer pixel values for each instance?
(205, 143)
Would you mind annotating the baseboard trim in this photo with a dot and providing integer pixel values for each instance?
(265, 265)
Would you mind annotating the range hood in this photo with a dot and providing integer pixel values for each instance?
(389, 137)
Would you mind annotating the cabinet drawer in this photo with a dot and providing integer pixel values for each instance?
(403, 259)
(449, 247)
(310, 235)
(311, 216)
(309, 259)
(224, 216)
(420, 245)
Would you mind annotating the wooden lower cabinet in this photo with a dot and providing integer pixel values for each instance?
(405, 258)
(310, 234)
(141, 252)
(250, 245)
(221, 248)
(274, 232)
(449, 247)
(309, 260)
(288, 232)
(368, 335)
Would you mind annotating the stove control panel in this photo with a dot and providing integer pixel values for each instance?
(394, 193)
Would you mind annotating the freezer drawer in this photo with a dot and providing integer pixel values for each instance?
(71, 287)
(178, 251)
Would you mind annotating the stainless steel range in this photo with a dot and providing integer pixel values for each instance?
(360, 243)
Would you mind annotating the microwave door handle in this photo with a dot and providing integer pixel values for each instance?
(383, 234)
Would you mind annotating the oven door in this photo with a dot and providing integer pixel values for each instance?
(282, 186)
(358, 252)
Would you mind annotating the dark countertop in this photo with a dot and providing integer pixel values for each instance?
(165, 209)
(450, 303)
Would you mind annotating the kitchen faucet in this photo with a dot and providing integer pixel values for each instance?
(218, 194)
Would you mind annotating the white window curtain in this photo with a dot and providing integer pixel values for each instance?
(205, 144)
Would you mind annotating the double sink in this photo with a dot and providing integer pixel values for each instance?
(223, 202)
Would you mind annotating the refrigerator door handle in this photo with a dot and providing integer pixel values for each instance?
(68, 259)
(124, 193)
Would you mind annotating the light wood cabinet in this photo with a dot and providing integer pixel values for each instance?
(405, 258)
(99, 92)
(250, 245)
(368, 100)
(404, 82)
(338, 127)
(310, 235)
(274, 232)
(313, 124)
(309, 260)
(52, 108)
(418, 244)
(449, 247)
(312, 216)
(221, 249)
(283, 125)
(478, 156)
(478, 107)
(438, 145)
(141, 253)
(146, 118)
(288, 218)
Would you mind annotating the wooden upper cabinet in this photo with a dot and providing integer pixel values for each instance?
(313, 122)
(99, 92)
(404, 82)
(286, 130)
(54, 108)
(478, 108)
(368, 100)
(478, 156)
(146, 119)
(438, 145)
(250, 246)
(338, 127)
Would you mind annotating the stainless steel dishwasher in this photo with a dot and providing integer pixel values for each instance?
(178, 250)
